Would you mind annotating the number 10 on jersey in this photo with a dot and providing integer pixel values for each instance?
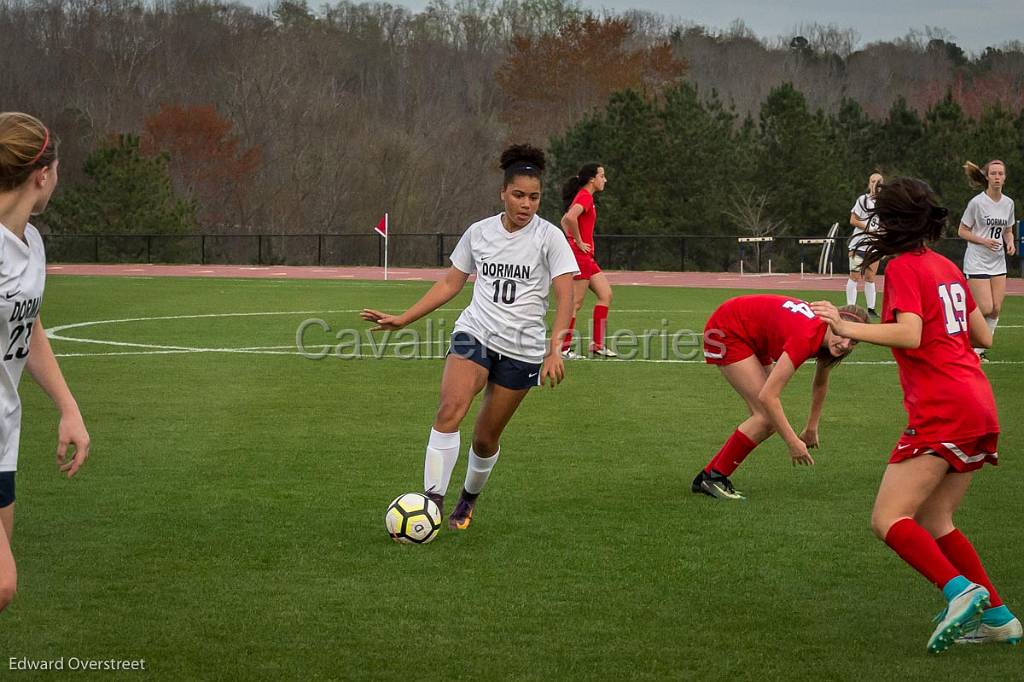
(506, 289)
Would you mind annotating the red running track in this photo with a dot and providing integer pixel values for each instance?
(710, 280)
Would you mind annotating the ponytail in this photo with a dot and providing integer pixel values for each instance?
(574, 184)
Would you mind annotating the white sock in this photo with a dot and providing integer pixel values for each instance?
(870, 294)
(851, 292)
(992, 322)
(478, 471)
(442, 454)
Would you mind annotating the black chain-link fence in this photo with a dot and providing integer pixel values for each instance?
(711, 253)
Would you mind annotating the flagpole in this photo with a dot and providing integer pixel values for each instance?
(386, 235)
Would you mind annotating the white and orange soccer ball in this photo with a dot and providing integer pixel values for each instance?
(412, 518)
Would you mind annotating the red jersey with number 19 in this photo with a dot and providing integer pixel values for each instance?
(765, 325)
(946, 395)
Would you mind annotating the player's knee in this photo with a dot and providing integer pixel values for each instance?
(986, 308)
(449, 415)
(762, 427)
(869, 277)
(937, 523)
(882, 521)
(8, 588)
(995, 310)
(485, 444)
(880, 526)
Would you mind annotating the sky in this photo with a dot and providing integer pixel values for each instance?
(973, 24)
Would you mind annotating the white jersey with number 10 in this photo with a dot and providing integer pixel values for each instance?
(513, 278)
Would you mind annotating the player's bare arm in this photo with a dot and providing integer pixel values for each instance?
(571, 225)
(905, 332)
(72, 436)
(439, 294)
(770, 397)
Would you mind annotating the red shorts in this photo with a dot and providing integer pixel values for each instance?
(723, 347)
(586, 263)
(963, 456)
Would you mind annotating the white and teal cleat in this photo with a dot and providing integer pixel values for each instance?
(980, 632)
(965, 607)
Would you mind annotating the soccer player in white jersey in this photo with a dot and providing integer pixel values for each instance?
(863, 223)
(987, 225)
(28, 175)
(498, 343)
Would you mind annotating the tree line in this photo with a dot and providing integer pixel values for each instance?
(199, 116)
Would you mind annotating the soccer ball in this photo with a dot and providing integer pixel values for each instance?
(413, 518)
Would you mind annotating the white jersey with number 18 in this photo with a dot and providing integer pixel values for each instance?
(989, 219)
(22, 278)
(513, 278)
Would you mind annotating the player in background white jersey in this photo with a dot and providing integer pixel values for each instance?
(498, 343)
(28, 176)
(863, 224)
(987, 225)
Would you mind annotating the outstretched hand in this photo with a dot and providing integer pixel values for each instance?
(384, 322)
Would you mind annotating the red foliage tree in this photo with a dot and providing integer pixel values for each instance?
(551, 80)
(207, 161)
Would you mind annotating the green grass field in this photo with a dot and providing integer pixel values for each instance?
(229, 524)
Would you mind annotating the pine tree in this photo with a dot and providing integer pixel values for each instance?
(126, 193)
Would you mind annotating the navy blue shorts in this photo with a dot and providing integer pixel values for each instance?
(6, 488)
(501, 369)
(984, 276)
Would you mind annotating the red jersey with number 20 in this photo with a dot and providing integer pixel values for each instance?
(764, 325)
(945, 393)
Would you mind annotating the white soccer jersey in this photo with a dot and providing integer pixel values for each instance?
(989, 219)
(513, 278)
(22, 278)
(864, 203)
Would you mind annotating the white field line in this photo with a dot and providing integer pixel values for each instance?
(162, 349)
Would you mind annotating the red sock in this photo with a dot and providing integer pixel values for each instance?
(600, 322)
(915, 546)
(960, 552)
(732, 454)
(567, 341)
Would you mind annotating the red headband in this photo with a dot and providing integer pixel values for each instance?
(46, 143)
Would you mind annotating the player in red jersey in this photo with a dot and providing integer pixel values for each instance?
(744, 336)
(578, 224)
(930, 320)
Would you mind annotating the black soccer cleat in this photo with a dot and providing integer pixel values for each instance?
(715, 485)
(872, 314)
(462, 515)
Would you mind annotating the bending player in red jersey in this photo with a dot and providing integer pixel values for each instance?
(744, 336)
(578, 225)
(930, 319)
